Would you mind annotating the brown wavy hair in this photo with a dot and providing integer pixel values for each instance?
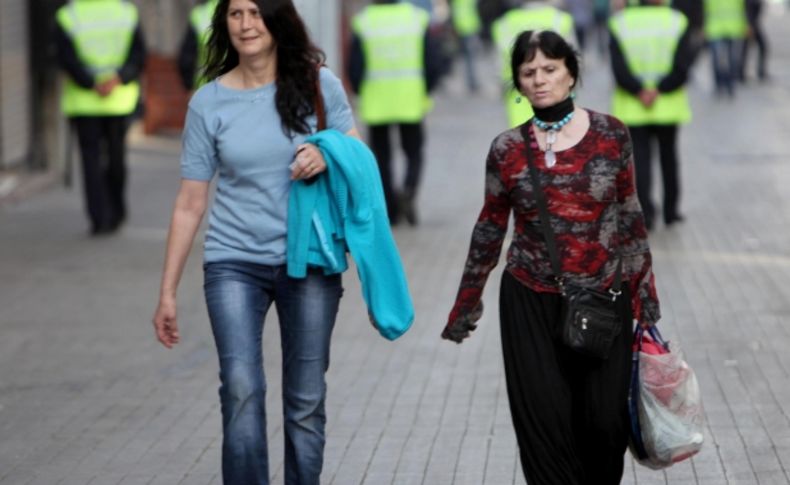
(298, 59)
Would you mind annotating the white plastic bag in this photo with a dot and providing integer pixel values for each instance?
(665, 403)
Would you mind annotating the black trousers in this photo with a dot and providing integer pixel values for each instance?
(753, 13)
(569, 411)
(102, 141)
(666, 135)
(411, 139)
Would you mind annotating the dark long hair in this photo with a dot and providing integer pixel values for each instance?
(297, 59)
(551, 44)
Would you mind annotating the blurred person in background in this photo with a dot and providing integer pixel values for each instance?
(695, 14)
(601, 10)
(725, 29)
(393, 67)
(754, 10)
(489, 11)
(192, 53)
(532, 15)
(466, 22)
(569, 411)
(100, 46)
(582, 13)
(426, 5)
(247, 127)
(650, 58)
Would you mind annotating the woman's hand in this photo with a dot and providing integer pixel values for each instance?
(462, 326)
(308, 162)
(165, 322)
(458, 332)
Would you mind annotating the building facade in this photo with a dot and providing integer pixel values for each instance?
(15, 87)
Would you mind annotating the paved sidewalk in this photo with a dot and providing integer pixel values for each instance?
(87, 396)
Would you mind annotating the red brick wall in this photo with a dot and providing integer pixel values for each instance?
(165, 99)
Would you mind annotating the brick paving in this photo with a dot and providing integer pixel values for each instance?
(88, 397)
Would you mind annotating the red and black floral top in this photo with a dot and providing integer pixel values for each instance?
(594, 210)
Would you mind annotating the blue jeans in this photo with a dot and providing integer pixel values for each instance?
(238, 296)
(468, 46)
(725, 56)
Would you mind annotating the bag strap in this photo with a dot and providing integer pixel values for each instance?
(654, 334)
(320, 111)
(543, 212)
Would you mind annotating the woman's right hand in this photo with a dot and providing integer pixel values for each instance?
(458, 332)
(165, 322)
(461, 324)
(188, 211)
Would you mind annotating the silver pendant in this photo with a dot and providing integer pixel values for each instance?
(551, 158)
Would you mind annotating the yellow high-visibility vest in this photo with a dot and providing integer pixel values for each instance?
(505, 30)
(200, 20)
(393, 89)
(102, 32)
(649, 37)
(725, 19)
(465, 17)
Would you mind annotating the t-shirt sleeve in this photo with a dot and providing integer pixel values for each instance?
(338, 111)
(199, 158)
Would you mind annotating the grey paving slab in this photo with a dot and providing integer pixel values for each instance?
(88, 397)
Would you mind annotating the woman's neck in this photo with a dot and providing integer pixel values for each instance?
(555, 113)
(255, 72)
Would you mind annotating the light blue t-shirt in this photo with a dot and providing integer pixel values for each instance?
(237, 134)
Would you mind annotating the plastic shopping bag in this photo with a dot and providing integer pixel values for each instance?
(664, 403)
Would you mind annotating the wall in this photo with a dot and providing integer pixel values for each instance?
(15, 95)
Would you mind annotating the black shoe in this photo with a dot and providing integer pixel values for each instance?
(103, 230)
(406, 207)
(394, 217)
(672, 219)
(119, 221)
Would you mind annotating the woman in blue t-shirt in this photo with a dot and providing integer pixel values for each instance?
(247, 127)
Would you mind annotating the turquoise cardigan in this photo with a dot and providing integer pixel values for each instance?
(344, 209)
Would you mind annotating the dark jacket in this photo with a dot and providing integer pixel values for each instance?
(79, 73)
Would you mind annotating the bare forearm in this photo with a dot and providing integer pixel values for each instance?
(183, 228)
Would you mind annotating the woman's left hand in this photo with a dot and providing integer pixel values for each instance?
(308, 162)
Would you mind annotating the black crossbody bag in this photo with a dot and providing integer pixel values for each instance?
(590, 318)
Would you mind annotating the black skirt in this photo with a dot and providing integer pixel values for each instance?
(569, 411)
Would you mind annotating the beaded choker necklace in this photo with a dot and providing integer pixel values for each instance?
(558, 116)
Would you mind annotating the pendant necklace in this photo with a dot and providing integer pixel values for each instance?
(551, 130)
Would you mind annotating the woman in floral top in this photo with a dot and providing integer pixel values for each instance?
(569, 411)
